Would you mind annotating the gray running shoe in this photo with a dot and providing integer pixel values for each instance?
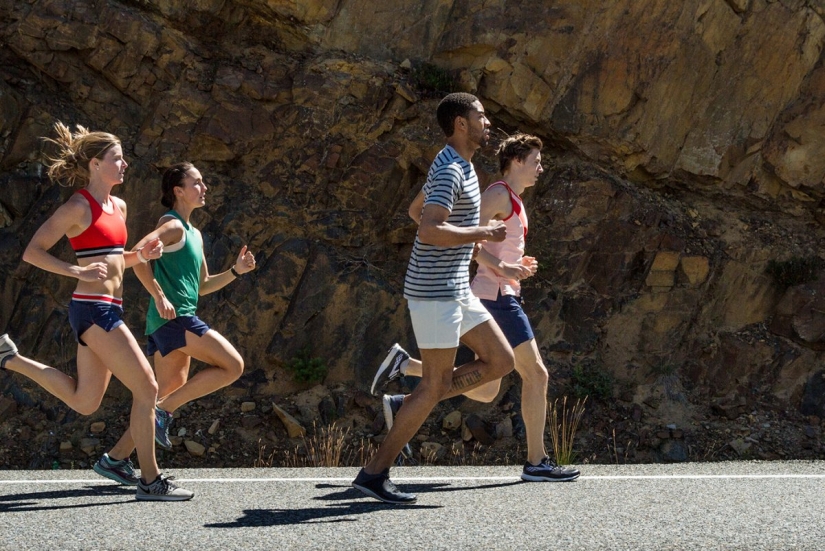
(548, 471)
(122, 471)
(163, 420)
(381, 487)
(391, 406)
(162, 490)
(7, 350)
(390, 368)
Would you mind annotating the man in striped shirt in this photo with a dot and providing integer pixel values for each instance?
(437, 288)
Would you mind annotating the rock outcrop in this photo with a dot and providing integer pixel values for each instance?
(685, 160)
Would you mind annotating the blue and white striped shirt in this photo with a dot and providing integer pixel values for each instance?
(443, 273)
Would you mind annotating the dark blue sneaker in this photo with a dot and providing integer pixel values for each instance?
(548, 471)
(391, 368)
(391, 406)
(381, 487)
(163, 420)
(122, 471)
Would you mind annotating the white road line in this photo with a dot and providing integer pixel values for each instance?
(440, 478)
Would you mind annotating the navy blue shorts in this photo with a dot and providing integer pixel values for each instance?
(172, 334)
(510, 317)
(82, 315)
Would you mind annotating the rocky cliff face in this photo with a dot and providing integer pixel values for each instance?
(687, 166)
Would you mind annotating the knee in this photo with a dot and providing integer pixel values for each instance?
(87, 408)
(234, 369)
(536, 375)
(146, 392)
(432, 390)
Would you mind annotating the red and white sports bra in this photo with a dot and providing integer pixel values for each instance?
(105, 235)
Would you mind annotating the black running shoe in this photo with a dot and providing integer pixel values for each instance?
(391, 406)
(163, 420)
(122, 471)
(390, 368)
(548, 471)
(381, 488)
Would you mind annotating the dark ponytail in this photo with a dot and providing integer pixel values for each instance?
(172, 178)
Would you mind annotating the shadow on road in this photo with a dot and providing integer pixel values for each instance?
(348, 492)
(312, 515)
(18, 503)
(334, 512)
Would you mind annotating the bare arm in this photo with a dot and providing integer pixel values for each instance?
(416, 207)
(67, 219)
(211, 283)
(495, 204)
(169, 233)
(435, 230)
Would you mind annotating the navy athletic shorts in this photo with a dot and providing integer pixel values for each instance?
(82, 315)
(510, 317)
(172, 334)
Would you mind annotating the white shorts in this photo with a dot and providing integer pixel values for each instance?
(441, 323)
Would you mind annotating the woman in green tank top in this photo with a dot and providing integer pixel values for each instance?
(175, 333)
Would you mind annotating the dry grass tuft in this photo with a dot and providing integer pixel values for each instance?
(563, 425)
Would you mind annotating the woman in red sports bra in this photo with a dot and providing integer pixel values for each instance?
(95, 223)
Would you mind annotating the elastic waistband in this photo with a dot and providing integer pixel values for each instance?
(108, 299)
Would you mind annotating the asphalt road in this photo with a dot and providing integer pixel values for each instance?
(742, 505)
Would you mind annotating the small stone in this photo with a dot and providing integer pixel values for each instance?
(195, 448)
(293, 428)
(65, 446)
(182, 432)
(739, 446)
(406, 64)
(97, 428)
(466, 435)
(478, 429)
(696, 269)
(213, 428)
(176, 440)
(247, 406)
(363, 399)
(452, 420)
(89, 445)
(505, 428)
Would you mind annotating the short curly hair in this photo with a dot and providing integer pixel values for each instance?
(458, 104)
(516, 147)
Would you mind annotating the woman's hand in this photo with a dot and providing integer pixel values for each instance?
(96, 271)
(245, 262)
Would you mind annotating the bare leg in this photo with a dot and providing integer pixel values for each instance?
(484, 393)
(533, 398)
(439, 381)
(83, 394)
(225, 366)
(125, 360)
(174, 385)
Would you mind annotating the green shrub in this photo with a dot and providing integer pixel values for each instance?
(432, 79)
(591, 380)
(306, 369)
(794, 271)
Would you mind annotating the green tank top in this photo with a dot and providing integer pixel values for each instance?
(178, 272)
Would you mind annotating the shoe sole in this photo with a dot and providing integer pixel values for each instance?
(149, 497)
(372, 494)
(112, 476)
(531, 478)
(384, 366)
